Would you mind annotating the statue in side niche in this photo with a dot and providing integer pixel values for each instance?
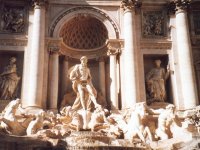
(9, 80)
(156, 80)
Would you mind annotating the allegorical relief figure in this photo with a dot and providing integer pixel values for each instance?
(156, 81)
(9, 80)
(13, 19)
(153, 24)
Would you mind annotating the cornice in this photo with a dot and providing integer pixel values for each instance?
(113, 3)
(13, 42)
(155, 44)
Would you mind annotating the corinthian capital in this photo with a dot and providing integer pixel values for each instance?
(179, 5)
(131, 4)
(54, 45)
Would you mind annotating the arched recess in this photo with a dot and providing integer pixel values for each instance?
(65, 16)
(72, 54)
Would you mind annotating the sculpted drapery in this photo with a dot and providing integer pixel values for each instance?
(82, 86)
(9, 80)
(156, 80)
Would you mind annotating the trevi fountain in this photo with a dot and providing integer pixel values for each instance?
(99, 74)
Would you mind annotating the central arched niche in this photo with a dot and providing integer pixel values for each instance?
(84, 32)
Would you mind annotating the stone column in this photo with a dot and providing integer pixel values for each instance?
(113, 80)
(65, 79)
(102, 79)
(35, 81)
(184, 58)
(53, 79)
(129, 55)
(114, 48)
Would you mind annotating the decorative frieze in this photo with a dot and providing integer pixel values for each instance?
(154, 23)
(13, 18)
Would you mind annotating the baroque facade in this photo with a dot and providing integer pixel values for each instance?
(121, 39)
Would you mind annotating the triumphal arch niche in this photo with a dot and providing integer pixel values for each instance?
(90, 32)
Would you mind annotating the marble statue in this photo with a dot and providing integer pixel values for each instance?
(9, 80)
(156, 80)
(131, 124)
(98, 119)
(10, 120)
(165, 120)
(71, 118)
(137, 125)
(36, 124)
(83, 87)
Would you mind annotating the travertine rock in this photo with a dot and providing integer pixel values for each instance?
(138, 125)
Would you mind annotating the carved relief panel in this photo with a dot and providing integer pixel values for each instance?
(13, 17)
(154, 24)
